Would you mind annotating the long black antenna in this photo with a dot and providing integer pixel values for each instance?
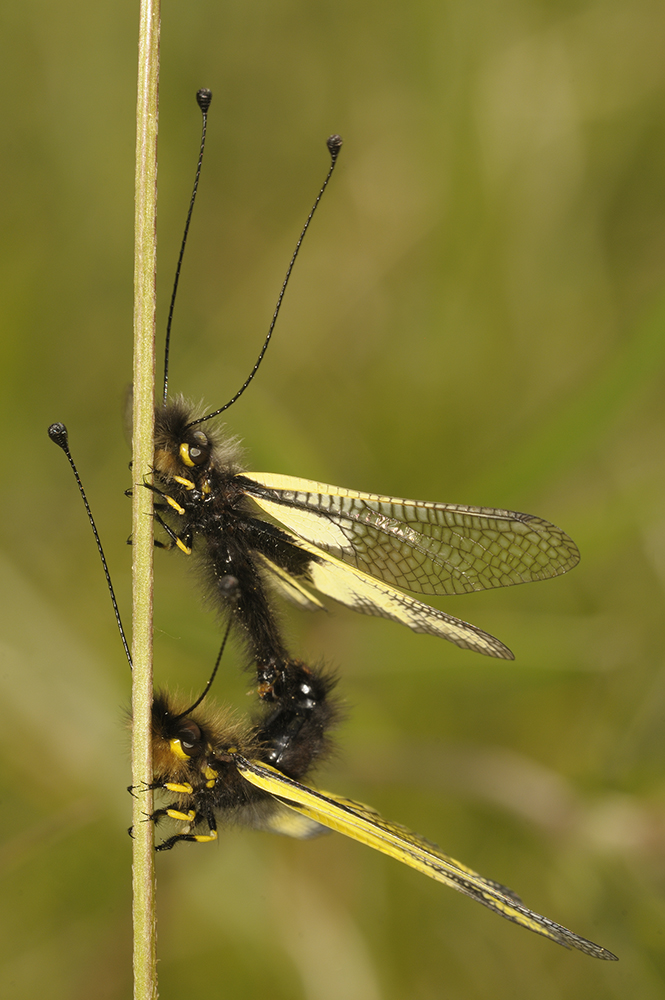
(211, 678)
(203, 99)
(334, 144)
(58, 434)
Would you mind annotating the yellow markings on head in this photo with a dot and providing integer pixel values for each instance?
(186, 789)
(187, 817)
(184, 455)
(176, 747)
(210, 774)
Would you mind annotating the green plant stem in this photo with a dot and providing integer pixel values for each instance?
(143, 878)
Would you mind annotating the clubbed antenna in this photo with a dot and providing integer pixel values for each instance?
(334, 144)
(58, 434)
(203, 99)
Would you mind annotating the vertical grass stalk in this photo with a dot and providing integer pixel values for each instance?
(143, 878)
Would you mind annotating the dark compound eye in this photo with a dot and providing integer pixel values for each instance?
(189, 735)
(199, 450)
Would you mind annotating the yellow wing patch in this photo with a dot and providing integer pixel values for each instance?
(363, 593)
(361, 823)
(318, 530)
(428, 548)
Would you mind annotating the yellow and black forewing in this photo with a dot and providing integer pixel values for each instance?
(362, 823)
(428, 548)
(367, 595)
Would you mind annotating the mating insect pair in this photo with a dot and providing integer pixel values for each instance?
(255, 533)
(252, 774)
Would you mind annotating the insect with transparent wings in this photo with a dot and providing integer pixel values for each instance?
(252, 775)
(304, 538)
(216, 767)
(255, 533)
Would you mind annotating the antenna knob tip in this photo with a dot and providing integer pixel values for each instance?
(203, 98)
(334, 144)
(58, 434)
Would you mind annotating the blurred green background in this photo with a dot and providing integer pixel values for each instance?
(477, 317)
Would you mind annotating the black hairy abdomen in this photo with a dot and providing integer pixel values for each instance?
(226, 536)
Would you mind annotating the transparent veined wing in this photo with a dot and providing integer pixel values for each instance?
(362, 823)
(369, 596)
(428, 548)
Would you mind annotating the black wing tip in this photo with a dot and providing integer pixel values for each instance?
(568, 939)
(489, 646)
(589, 948)
(496, 650)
